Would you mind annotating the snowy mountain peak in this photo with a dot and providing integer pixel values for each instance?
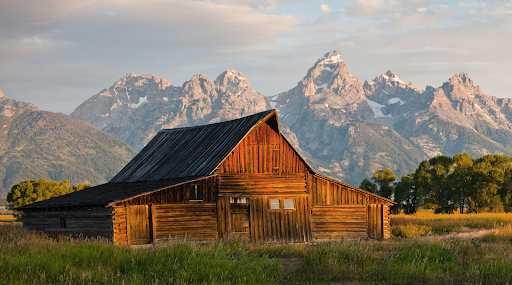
(332, 57)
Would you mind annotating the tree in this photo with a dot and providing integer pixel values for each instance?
(432, 181)
(406, 196)
(384, 179)
(369, 186)
(461, 177)
(488, 177)
(31, 191)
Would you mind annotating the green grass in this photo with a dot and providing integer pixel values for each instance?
(27, 257)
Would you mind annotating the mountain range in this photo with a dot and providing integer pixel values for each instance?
(347, 129)
(37, 144)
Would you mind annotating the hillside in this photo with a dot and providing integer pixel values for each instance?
(37, 144)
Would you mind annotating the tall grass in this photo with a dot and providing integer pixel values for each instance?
(411, 261)
(29, 257)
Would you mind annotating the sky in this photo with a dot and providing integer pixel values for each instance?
(56, 54)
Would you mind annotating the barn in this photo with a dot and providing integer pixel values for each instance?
(239, 178)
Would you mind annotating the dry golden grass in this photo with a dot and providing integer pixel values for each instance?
(7, 219)
(425, 222)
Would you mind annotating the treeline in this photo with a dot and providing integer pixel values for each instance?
(31, 191)
(447, 184)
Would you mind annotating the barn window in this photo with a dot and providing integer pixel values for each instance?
(195, 192)
(288, 204)
(63, 223)
(234, 200)
(274, 204)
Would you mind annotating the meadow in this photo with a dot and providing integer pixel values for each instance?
(425, 249)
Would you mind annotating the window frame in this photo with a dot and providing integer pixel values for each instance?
(281, 204)
(198, 188)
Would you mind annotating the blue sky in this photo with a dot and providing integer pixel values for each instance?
(57, 54)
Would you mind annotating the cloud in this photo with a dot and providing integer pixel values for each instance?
(371, 7)
(325, 8)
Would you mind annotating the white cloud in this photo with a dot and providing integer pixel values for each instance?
(325, 8)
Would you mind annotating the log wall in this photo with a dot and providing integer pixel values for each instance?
(120, 226)
(95, 222)
(261, 184)
(196, 221)
(339, 222)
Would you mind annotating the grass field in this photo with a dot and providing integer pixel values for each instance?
(439, 255)
(6, 219)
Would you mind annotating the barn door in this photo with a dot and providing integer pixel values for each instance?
(239, 209)
(138, 224)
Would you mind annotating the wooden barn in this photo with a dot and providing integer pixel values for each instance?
(240, 178)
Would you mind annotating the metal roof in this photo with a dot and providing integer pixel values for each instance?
(108, 193)
(185, 152)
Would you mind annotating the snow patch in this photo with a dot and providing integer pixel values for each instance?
(328, 69)
(321, 86)
(376, 108)
(395, 100)
(141, 101)
(331, 59)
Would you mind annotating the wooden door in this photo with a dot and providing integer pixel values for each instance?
(375, 222)
(240, 219)
(138, 224)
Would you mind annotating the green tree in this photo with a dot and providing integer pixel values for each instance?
(461, 178)
(31, 191)
(384, 179)
(406, 196)
(488, 177)
(369, 186)
(431, 179)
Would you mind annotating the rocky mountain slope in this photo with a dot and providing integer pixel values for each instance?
(135, 108)
(37, 144)
(346, 128)
(387, 123)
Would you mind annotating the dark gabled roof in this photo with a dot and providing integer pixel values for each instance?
(185, 152)
(108, 193)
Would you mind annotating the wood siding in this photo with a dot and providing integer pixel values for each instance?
(378, 221)
(177, 194)
(270, 225)
(325, 191)
(254, 184)
(196, 221)
(339, 222)
(263, 151)
(95, 222)
(120, 226)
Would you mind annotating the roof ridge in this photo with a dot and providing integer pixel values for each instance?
(223, 122)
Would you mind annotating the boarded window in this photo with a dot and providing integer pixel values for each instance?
(63, 223)
(195, 192)
(288, 204)
(274, 204)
